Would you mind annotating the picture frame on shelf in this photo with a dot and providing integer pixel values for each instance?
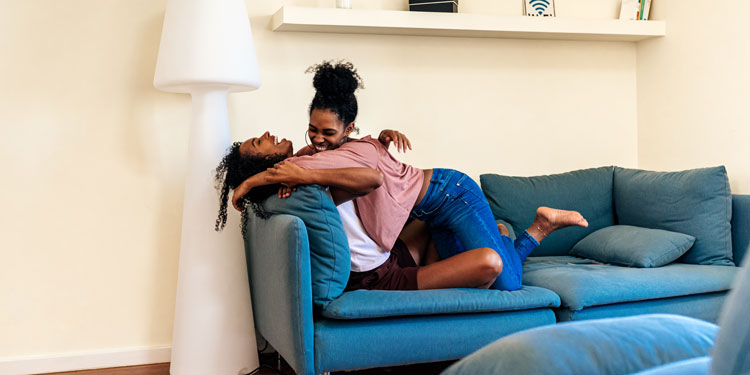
(539, 8)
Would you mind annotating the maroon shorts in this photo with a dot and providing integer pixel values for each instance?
(398, 272)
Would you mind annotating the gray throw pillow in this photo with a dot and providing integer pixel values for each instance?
(630, 246)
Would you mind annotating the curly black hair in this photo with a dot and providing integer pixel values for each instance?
(235, 168)
(335, 84)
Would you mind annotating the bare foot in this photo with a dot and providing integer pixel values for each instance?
(503, 230)
(552, 218)
(549, 220)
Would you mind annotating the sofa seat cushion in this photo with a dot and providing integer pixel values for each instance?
(581, 283)
(365, 304)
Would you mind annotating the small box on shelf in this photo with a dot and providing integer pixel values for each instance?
(433, 6)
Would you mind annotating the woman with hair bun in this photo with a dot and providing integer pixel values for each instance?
(473, 251)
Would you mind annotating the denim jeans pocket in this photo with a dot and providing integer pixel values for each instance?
(469, 188)
(430, 204)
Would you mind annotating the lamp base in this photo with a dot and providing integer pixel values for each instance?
(213, 323)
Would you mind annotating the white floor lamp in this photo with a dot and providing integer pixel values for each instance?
(207, 51)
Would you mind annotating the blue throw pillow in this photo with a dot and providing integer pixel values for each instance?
(630, 246)
(588, 191)
(697, 202)
(604, 346)
(330, 261)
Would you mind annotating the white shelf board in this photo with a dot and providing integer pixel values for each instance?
(394, 22)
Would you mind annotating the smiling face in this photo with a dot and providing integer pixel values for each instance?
(326, 131)
(265, 145)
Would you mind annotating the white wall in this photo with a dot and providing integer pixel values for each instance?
(93, 158)
(693, 89)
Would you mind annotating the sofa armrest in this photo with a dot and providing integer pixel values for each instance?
(278, 263)
(740, 226)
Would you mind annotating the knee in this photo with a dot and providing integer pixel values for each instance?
(491, 264)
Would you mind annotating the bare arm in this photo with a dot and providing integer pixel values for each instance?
(352, 181)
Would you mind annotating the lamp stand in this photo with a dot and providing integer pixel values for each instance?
(213, 323)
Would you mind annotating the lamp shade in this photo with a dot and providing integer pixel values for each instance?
(206, 43)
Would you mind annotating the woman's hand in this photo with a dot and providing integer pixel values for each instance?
(288, 174)
(239, 192)
(387, 136)
(286, 191)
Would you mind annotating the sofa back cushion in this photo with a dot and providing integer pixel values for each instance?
(696, 202)
(330, 262)
(588, 191)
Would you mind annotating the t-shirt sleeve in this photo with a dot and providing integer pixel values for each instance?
(356, 154)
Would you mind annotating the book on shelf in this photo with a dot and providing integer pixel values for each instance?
(635, 9)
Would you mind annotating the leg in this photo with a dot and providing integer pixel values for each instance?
(477, 268)
(431, 256)
(466, 215)
(416, 236)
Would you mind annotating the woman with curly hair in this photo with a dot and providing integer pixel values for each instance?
(474, 253)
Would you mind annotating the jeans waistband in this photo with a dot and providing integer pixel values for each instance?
(440, 177)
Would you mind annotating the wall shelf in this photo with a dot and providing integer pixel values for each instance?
(393, 22)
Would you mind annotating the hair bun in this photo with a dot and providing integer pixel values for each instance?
(335, 78)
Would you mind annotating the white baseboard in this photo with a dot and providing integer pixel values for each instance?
(84, 360)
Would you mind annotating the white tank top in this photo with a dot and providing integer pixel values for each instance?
(365, 253)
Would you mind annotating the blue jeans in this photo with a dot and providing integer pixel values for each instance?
(460, 219)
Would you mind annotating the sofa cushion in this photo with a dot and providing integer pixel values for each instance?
(346, 345)
(740, 226)
(733, 342)
(515, 200)
(605, 346)
(693, 366)
(581, 283)
(697, 202)
(329, 249)
(365, 304)
(631, 246)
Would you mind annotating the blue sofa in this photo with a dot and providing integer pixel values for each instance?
(364, 329)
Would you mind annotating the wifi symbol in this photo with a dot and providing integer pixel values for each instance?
(539, 5)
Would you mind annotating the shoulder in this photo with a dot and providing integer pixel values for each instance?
(307, 150)
(366, 142)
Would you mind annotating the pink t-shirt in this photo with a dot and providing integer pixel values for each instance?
(385, 210)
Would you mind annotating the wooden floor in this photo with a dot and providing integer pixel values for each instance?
(156, 369)
(269, 367)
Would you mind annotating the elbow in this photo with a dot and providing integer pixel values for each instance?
(377, 180)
